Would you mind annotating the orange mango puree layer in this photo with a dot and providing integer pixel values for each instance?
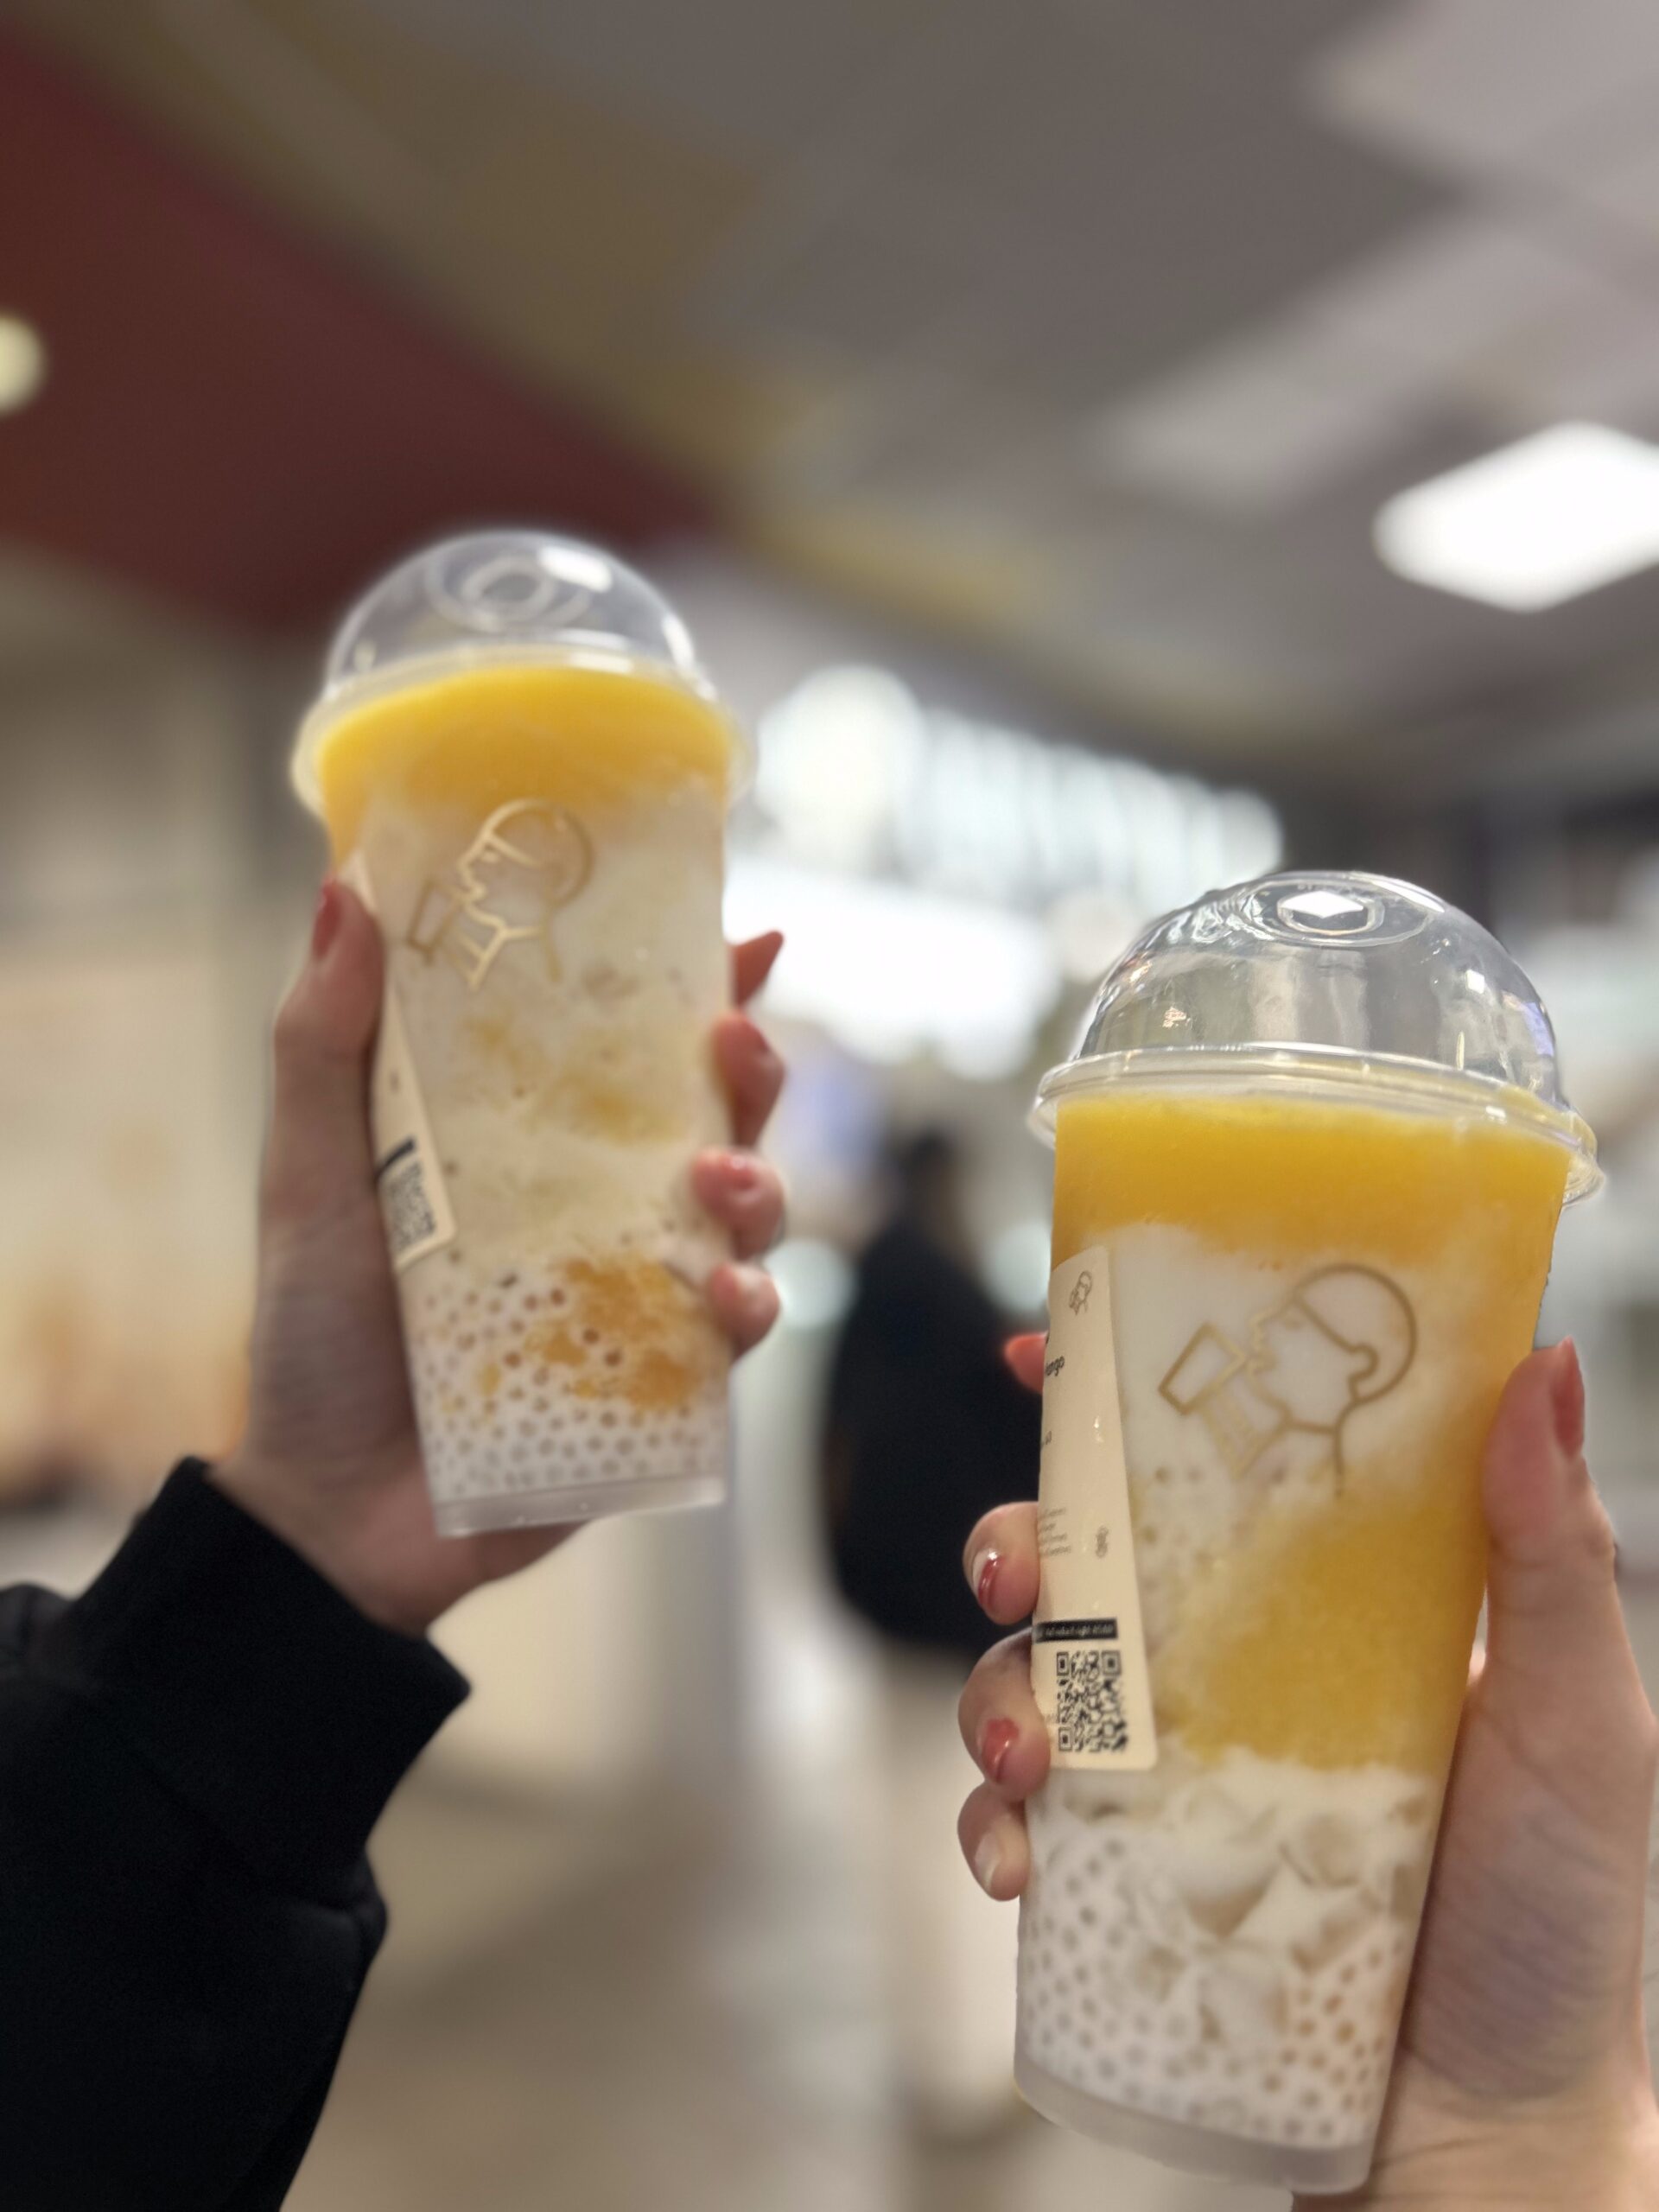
(587, 739)
(1337, 1632)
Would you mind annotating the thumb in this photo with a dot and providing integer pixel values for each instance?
(1554, 1627)
(318, 1154)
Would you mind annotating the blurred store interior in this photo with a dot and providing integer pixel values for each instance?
(1018, 405)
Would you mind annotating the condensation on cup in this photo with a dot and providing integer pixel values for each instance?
(1309, 1161)
(525, 774)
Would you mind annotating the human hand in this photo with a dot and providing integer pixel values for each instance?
(1522, 2077)
(330, 1459)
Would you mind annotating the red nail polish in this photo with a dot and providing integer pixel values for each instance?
(325, 925)
(1567, 1396)
(997, 1739)
(987, 1581)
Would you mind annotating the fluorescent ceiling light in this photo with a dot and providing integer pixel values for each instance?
(1532, 525)
(23, 363)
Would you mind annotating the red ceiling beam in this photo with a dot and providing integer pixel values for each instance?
(234, 419)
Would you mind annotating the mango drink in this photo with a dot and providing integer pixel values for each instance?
(541, 839)
(1312, 1297)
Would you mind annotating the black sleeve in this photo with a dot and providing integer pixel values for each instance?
(192, 1756)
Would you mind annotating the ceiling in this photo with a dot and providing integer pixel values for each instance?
(234, 419)
(1098, 330)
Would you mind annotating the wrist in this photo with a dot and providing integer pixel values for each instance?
(1534, 2160)
(323, 1533)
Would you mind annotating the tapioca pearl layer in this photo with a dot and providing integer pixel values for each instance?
(565, 1373)
(1225, 1964)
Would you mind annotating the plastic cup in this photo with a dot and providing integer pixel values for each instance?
(524, 771)
(1309, 1161)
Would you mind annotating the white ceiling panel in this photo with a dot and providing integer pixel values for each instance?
(1599, 364)
(1467, 87)
(1611, 174)
(1466, 312)
(1455, 290)
(1262, 424)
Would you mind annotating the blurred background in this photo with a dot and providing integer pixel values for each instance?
(1101, 451)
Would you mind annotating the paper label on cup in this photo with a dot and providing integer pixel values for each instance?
(1088, 1649)
(408, 1177)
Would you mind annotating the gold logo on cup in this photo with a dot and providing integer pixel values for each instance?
(529, 859)
(1344, 1337)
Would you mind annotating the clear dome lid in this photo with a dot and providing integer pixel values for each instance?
(501, 596)
(1323, 984)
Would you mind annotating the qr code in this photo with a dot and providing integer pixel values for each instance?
(1092, 1718)
(410, 1218)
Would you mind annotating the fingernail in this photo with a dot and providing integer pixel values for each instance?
(741, 1173)
(996, 1739)
(325, 923)
(1566, 1396)
(988, 1862)
(982, 1575)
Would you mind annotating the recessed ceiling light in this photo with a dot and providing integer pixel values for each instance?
(23, 363)
(1532, 525)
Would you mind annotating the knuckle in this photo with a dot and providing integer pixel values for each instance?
(1598, 1545)
(291, 1032)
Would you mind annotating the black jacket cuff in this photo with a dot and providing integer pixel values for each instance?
(263, 1699)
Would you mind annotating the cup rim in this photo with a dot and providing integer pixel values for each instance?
(1331, 1073)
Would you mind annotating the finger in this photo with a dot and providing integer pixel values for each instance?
(1556, 1646)
(751, 1072)
(745, 1194)
(752, 963)
(994, 1843)
(318, 1154)
(1025, 1355)
(745, 1302)
(1000, 1561)
(1000, 1722)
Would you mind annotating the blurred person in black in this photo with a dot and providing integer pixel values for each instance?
(193, 1754)
(925, 1424)
(925, 1420)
